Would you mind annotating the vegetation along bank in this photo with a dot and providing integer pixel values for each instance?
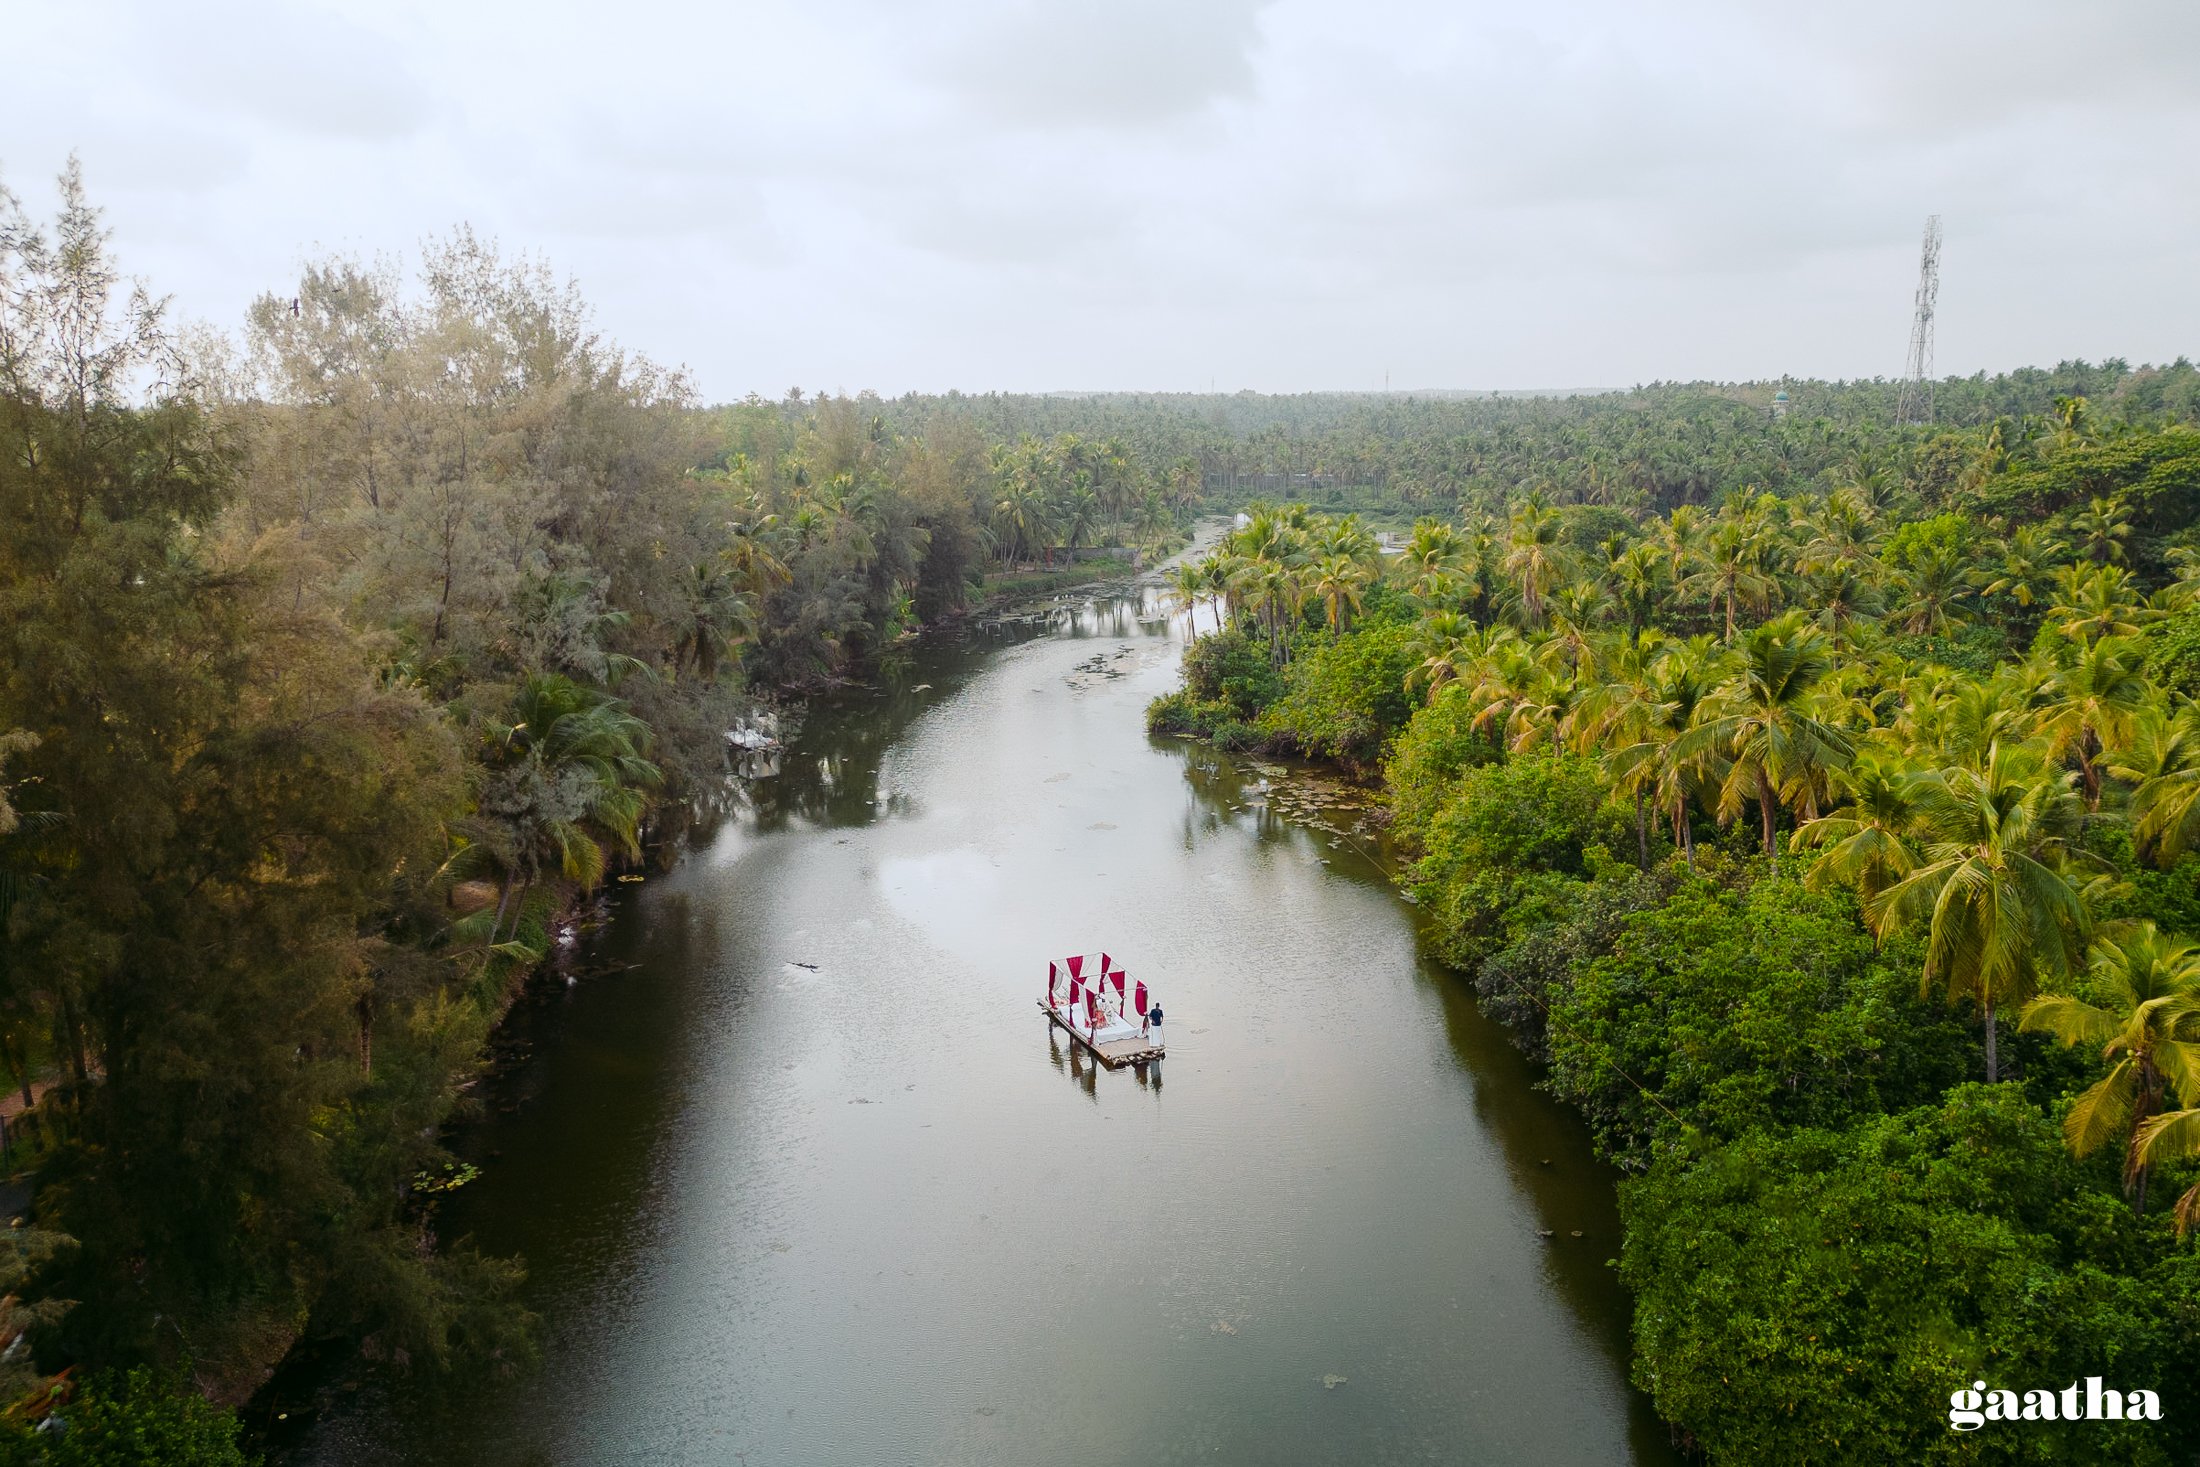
(342, 659)
(1818, 800)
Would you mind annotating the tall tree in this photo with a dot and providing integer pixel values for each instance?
(1765, 723)
(1990, 888)
(2146, 1021)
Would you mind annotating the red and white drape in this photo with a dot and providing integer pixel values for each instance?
(1131, 998)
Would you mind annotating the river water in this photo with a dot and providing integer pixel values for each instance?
(802, 1175)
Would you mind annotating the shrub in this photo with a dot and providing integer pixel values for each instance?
(1508, 851)
(1516, 986)
(1731, 1008)
(1230, 667)
(2175, 651)
(1438, 744)
(138, 1419)
(1343, 699)
(1815, 1296)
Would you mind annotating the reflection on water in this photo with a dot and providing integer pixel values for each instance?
(804, 1175)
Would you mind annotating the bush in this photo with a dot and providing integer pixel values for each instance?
(138, 1419)
(1438, 744)
(1230, 667)
(2175, 651)
(1977, 648)
(2156, 474)
(1727, 1009)
(1815, 1296)
(1343, 699)
(1508, 852)
(1516, 986)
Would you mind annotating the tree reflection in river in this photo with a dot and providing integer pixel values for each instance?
(800, 1180)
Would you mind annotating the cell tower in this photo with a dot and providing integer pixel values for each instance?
(1916, 405)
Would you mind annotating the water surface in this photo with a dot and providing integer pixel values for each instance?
(802, 1175)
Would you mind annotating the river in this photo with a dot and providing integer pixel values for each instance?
(802, 1175)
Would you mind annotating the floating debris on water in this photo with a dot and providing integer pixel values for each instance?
(1331, 1382)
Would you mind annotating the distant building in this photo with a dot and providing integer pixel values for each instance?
(1780, 403)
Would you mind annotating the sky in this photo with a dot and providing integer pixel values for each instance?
(1171, 195)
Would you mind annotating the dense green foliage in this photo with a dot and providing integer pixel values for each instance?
(1810, 1295)
(1441, 741)
(335, 673)
(1771, 827)
(128, 1419)
(1346, 698)
(339, 665)
(1651, 448)
(1509, 851)
(1722, 1009)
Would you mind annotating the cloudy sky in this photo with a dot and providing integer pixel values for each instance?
(1275, 194)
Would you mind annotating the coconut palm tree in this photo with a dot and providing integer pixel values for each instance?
(1990, 887)
(1349, 538)
(1682, 687)
(1543, 714)
(751, 551)
(567, 777)
(1507, 679)
(1625, 716)
(2026, 558)
(1639, 581)
(718, 616)
(1217, 573)
(1432, 558)
(1733, 570)
(1337, 583)
(1187, 586)
(2095, 601)
(2091, 703)
(1153, 515)
(1765, 722)
(2101, 529)
(1534, 555)
(1272, 593)
(2174, 1136)
(1862, 845)
(1844, 533)
(1932, 593)
(2148, 1027)
(1679, 538)
(1021, 517)
(1842, 593)
(1450, 646)
(2160, 759)
(1080, 516)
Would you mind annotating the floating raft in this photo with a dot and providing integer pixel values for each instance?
(1097, 1009)
(1130, 1048)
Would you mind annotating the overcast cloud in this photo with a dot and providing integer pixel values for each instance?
(1274, 194)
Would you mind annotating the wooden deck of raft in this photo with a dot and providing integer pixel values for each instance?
(1115, 1052)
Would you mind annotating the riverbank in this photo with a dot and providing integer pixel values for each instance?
(761, 1216)
(1668, 865)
